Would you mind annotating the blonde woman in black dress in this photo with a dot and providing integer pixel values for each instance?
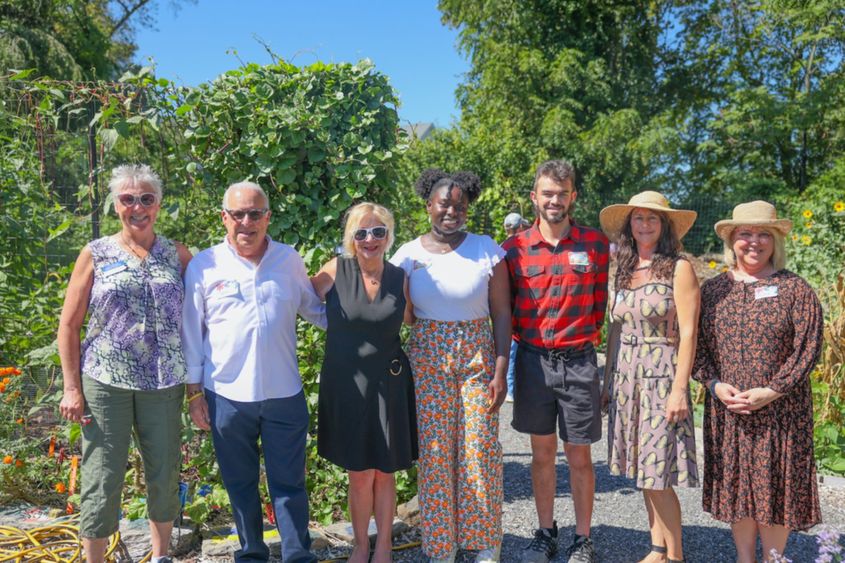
(367, 415)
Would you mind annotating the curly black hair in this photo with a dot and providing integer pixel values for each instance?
(432, 179)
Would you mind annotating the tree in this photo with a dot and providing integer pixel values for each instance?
(72, 39)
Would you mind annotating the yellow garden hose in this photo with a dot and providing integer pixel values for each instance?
(60, 543)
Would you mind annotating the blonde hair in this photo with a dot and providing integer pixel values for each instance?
(356, 214)
(778, 258)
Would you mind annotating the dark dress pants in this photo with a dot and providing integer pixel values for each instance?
(282, 426)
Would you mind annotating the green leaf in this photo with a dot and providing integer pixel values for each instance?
(59, 230)
(108, 137)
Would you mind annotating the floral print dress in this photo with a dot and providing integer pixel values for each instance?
(762, 334)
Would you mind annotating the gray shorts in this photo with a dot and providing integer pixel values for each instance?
(557, 386)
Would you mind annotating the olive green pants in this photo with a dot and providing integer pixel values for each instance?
(155, 417)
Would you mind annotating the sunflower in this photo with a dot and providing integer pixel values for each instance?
(839, 206)
(806, 240)
(712, 264)
(808, 225)
(808, 214)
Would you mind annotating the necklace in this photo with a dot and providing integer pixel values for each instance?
(374, 276)
(131, 248)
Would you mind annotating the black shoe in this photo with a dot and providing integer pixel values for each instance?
(582, 550)
(543, 547)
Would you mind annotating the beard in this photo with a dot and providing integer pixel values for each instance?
(552, 219)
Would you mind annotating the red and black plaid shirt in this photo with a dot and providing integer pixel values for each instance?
(558, 293)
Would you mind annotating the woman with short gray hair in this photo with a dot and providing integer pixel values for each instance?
(128, 373)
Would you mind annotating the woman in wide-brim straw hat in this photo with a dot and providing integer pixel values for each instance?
(759, 338)
(654, 318)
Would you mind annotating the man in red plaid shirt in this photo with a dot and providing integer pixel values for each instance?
(558, 272)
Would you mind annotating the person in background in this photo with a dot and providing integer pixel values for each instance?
(514, 223)
(129, 372)
(652, 338)
(760, 335)
(367, 413)
(558, 273)
(242, 298)
(459, 288)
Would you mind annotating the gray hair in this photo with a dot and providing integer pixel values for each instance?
(245, 186)
(127, 175)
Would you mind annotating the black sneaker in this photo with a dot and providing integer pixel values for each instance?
(582, 550)
(543, 547)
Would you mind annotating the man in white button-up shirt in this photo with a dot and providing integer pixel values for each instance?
(241, 301)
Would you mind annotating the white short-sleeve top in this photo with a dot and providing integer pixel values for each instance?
(451, 286)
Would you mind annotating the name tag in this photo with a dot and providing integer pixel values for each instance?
(579, 259)
(113, 268)
(765, 291)
(225, 289)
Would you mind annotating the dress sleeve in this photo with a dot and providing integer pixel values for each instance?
(808, 326)
(703, 368)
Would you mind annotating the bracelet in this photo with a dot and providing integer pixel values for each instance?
(196, 395)
(712, 386)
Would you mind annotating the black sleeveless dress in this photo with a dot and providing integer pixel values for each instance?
(367, 415)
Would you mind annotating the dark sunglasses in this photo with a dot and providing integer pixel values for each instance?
(253, 214)
(129, 200)
(377, 232)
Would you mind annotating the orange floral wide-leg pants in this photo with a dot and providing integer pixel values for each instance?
(460, 463)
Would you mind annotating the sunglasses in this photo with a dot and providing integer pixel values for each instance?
(378, 233)
(129, 200)
(253, 214)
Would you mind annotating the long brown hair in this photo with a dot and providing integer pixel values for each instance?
(662, 267)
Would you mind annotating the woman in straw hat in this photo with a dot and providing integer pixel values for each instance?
(759, 338)
(654, 316)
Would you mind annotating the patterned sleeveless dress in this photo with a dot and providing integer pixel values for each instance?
(642, 445)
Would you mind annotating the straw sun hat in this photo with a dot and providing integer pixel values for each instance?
(753, 214)
(613, 217)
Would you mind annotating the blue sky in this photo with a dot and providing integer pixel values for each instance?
(404, 38)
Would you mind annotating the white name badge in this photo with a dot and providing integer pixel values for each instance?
(765, 291)
(113, 268)
(579, 259)
(225, 289)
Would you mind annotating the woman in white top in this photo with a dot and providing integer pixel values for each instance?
(458, 284)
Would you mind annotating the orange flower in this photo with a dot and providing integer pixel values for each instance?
(20, 421)
(16, 371)
(2, 387)
(6, 381)
(18, 463)
(8, 460)
(60, 488)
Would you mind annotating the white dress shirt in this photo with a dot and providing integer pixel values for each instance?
(239, 321)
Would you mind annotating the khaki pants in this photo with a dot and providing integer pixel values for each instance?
(155, 418)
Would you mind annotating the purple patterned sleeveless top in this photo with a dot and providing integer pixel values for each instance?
(133, 339)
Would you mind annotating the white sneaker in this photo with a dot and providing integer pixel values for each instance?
(488, 555)
(450, 559)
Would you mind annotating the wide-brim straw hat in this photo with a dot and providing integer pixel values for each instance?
(613, 217)
(753, 214)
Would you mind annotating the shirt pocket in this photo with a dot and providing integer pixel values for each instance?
(530, 271)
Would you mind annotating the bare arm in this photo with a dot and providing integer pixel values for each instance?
(184, 255)
(688, 304)
(409, 318)
(324, 279)
(70, 325)
(500, 312)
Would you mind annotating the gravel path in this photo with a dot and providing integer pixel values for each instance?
(620, 529)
